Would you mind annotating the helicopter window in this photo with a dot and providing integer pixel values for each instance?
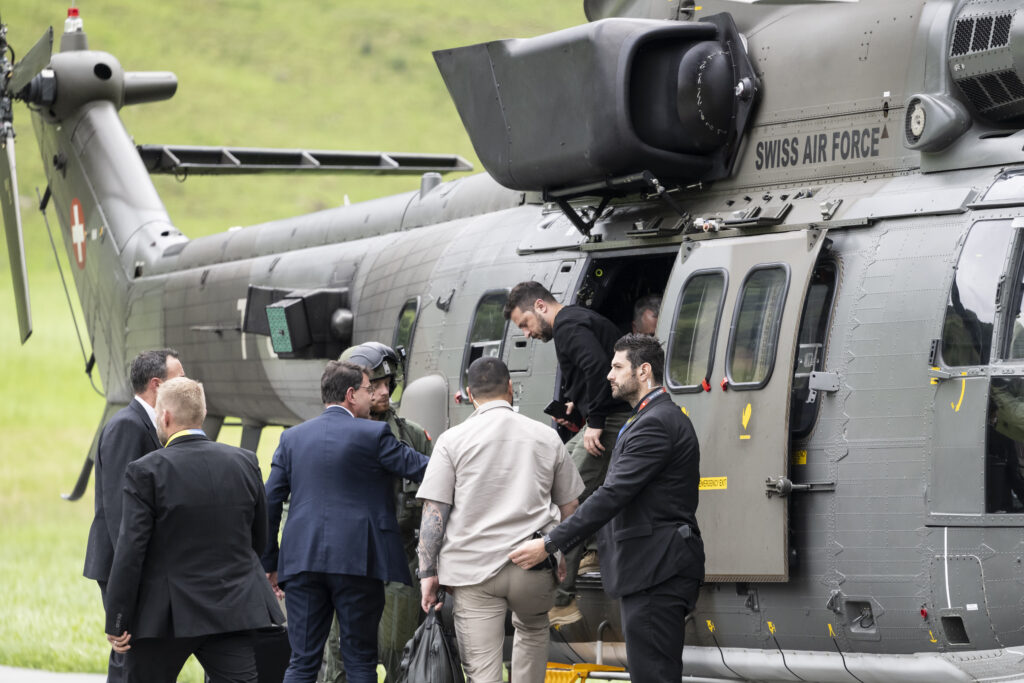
(692, 340)
(487, 330)
(755, 327)
(1012, 344)
(1004, 446)
(403, 338)
(810, 353)
(971, 310)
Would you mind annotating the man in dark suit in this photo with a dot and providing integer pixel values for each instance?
(186, 577)
(341, 542)
(652, 556)
(128, 436)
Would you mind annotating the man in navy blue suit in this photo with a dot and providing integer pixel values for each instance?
(341, 542)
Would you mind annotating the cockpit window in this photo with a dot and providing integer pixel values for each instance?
(755, 327)
(487, 331)
(692, 342)
(971, 309)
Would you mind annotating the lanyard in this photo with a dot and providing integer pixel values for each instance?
(183, 432)
(639, 408)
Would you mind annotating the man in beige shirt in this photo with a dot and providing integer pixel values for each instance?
(493, 482)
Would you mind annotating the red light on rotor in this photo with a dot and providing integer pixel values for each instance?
(924, 613)
(72, 11)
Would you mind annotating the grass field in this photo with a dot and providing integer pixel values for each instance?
(341, 75)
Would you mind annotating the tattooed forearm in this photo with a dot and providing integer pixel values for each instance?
(435, 518)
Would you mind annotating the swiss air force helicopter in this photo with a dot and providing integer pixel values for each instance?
(828, 196)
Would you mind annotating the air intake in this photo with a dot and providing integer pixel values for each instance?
(612, 99)
(981, 58)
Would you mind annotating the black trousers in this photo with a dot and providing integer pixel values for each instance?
(226, 658)
(115, 664)
(652, 622)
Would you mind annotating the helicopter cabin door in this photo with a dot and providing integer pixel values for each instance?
(731, 314)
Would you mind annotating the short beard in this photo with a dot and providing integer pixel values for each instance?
(546, 330)
(630, 392)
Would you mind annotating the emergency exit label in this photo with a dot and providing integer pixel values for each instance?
(714, 483)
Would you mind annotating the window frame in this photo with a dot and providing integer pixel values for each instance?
(995, 345)
(829, 313)
(412, 328)
(668, 380)
(774, 332)
(467, 345)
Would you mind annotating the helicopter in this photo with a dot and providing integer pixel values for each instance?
(827, 196)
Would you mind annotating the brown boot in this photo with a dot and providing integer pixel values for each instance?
(566, 614)
(589, 563)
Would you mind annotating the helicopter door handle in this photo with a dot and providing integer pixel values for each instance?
(939, 375)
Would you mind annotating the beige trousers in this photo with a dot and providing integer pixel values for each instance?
(480, 624)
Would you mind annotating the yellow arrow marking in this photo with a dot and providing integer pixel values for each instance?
(771, 627)
(746, 416)
(711, 626)
(963, 386)
(830, 631)
(685, 411)
(931, 636)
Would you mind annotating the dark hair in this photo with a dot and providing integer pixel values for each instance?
(643, 348)
(651, 302)
(487, 377)
(524, 294)
(340, 376)
(147, 365)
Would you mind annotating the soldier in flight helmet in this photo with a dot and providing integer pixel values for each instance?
(402, 612)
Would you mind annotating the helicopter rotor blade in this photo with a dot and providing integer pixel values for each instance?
(34, 61)
(12, 229)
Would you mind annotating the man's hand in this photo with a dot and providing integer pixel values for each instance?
(528, 554)
(120, 643)
(592, 441)
(428, 593)
(272, 578)
(566, 423)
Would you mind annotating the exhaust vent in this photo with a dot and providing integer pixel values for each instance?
(981, 58)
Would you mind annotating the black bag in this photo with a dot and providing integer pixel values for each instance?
(432, 655)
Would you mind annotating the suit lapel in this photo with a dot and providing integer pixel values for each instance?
(141, 413)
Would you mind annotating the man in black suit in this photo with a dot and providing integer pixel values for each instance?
(652, 556)
(186, 577)
(128, 436)
(341, 542)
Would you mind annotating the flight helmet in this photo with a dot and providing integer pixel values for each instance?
(379, 359)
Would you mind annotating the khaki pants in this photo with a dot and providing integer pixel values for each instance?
(480, 624)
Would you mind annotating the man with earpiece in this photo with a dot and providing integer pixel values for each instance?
(652, 555)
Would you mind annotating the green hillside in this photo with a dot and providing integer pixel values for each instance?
(321, 75)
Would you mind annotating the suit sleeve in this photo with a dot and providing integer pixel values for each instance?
(259, 521)
(277, 492)
(643, 456)
(121, 443)
(398, 458)
(139, 516)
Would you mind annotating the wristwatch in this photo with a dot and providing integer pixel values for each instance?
(549, 546)
(425, 573)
